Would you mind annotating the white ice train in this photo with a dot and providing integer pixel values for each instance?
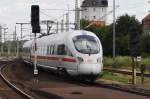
(78, 53)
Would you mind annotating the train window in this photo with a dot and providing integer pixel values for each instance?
(51, 52)
(86, 44)
(61, 50)
(53, 49)
(48, 50)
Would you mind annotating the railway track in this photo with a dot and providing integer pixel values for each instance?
(49, 86)
(15, 91)
(123, 88)
(129, 89)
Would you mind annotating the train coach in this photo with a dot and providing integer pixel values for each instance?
(78, 53)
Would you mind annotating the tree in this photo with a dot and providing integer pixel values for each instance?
(134, 35)
(128, 30)
(122, 25)
(125, 25)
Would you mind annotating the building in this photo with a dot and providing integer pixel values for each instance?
(95, 10)
(146, 25)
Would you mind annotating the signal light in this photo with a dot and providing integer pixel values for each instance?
(35, 18)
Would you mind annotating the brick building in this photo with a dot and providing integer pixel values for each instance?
(146, 25)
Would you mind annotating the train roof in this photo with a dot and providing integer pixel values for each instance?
(59, 37)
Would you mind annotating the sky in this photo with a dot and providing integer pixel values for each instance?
(13, 11)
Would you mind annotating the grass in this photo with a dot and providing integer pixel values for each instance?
(125, 79)
(115, 77)
(146, 61)
(124, 62)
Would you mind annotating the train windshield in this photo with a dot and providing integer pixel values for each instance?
(86, 44)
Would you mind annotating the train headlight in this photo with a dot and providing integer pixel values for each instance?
(80, 59)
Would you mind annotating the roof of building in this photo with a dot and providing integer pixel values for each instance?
(95, 3)
(146, 22)
(146, 19)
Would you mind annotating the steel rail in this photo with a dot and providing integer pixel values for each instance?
(19, 91)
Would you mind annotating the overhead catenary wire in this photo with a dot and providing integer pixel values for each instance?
(47, 15)
(60, 18)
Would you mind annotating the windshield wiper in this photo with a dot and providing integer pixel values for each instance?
(89, 49)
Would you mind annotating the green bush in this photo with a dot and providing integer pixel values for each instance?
(120, 61)
(116, 77)
(108, 61)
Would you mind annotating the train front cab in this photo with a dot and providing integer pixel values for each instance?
(89, 56)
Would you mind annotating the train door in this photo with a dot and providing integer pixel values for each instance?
(70, 61)
(61, 53)
(67, 60)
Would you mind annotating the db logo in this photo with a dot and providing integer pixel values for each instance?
(89, 61)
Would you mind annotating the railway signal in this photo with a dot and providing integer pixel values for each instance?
(134, 47)
(35, 23)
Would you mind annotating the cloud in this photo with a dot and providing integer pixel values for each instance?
(12, 11)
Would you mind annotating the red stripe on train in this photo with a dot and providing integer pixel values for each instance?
(53, 58)
(68, 60)
(56, 58)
